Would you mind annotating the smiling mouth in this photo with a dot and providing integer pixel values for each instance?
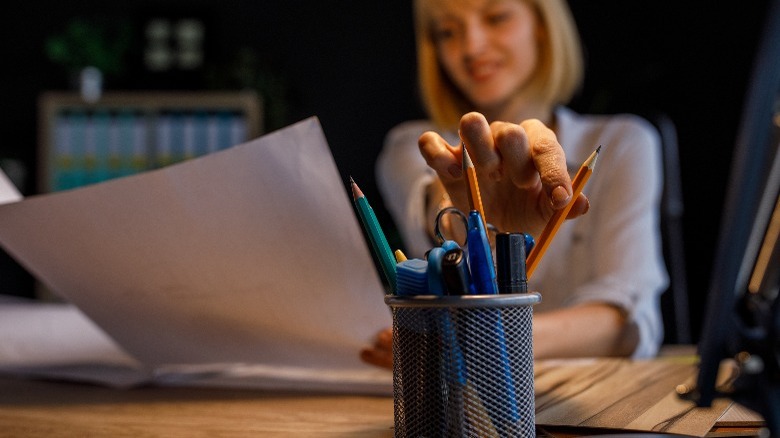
(482, 71)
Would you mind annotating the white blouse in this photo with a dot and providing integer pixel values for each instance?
(611, 254)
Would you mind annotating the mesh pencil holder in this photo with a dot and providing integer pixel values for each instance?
(463, 365)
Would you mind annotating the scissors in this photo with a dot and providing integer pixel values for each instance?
(491, 229)
(440, 238)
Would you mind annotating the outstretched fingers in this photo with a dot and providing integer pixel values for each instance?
(512, 144)
(550, 162)
(477, 135)
(440, 156)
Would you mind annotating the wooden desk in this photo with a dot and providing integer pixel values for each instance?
(52, 409)
(583, 398)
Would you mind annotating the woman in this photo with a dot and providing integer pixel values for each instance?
(520, 60)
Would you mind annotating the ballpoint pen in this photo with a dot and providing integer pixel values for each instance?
(499, 401)
(483, 272)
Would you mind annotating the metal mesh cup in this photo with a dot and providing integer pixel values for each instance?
(463, 365)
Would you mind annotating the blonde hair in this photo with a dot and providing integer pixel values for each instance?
(555, 81)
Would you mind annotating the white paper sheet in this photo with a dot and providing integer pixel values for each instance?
(8, 191)
(56, 340)
(252, 256)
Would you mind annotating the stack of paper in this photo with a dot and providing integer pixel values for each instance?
(245, 266)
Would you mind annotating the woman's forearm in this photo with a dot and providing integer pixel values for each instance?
(586, 330)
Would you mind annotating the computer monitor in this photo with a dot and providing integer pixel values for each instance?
(742, 320)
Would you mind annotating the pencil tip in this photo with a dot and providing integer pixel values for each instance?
(591, 161)
(356, 192)
(466, 157)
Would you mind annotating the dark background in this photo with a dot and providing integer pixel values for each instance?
(351, 63)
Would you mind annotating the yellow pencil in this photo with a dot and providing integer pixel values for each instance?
(475, 199)
(560, 215)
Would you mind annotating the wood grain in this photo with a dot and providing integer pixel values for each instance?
(622, 395)
(573, 398)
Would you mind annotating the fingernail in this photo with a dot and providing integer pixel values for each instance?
(455, 170)
(560, 197)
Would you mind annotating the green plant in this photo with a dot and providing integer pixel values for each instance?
(88, 43)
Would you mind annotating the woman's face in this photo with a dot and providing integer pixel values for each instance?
(488, 48)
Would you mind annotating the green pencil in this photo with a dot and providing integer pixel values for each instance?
(375, 234)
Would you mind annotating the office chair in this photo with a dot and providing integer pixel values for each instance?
(674, 301)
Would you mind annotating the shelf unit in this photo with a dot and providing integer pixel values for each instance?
(124, 133)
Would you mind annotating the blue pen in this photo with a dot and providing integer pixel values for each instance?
(483, 272)
(499, 401)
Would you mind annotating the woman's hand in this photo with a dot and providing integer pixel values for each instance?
(521, 169)
(381, 353)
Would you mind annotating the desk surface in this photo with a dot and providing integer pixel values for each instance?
(32, 408)
(37, 408)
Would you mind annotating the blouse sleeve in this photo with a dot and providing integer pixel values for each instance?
(402, 178)
(625, 264)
